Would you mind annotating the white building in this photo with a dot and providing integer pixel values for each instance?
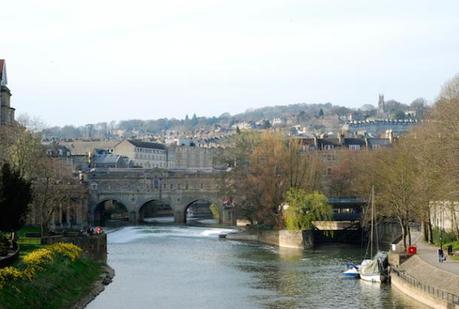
(143, 154)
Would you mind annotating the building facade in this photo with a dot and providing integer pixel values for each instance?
(6, 111)
(143, 154)
(191, 158)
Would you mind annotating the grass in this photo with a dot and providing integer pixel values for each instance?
(60, 285)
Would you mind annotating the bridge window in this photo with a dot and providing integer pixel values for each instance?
(186, 186)
(202, 186)
(172, 186)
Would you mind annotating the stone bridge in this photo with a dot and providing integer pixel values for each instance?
(134, 188)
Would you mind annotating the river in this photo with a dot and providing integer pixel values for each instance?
(190, 267)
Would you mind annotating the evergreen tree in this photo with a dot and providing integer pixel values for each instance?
(15, 196)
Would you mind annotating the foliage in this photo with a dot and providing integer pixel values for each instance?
(215, 211)
(8, 274)
(263, 167)
(15, 196)
(304, 208)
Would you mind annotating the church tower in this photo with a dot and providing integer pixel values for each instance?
(381, 105)
(6, 111)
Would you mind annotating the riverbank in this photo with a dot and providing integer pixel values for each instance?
(59, 284)
(423, 278)
(56, 272)
(98, 287)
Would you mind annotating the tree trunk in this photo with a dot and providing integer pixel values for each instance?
(409, 235)
(425, 230)
(429, 225)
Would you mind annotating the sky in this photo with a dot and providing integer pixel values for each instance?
(88, 61)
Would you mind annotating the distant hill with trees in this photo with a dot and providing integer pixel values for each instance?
(322, 117)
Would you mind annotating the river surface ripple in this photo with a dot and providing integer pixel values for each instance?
(189, 267)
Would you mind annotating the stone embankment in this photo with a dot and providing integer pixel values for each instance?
(281, 238)
(423, 278)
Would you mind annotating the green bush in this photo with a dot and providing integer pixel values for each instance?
(447, 237)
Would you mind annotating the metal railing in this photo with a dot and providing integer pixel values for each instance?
(450, 298)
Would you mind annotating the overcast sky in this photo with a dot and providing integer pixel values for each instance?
(86, 61)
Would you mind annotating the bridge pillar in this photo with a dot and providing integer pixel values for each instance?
(133, 217)
(179, 216)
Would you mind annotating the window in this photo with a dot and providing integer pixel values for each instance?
(354, 147)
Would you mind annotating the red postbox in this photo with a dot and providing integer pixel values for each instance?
(412, 250)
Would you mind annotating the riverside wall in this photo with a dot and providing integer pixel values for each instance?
(280, 238)
(94, 246)
(426, 283)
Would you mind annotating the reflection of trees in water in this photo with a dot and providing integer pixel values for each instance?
(275, 270)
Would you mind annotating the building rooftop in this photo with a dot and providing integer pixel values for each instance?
(147, 144)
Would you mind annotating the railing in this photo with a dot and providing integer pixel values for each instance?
(450, 298)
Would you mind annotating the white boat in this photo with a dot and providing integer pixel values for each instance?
(352, 271)
(374, 270)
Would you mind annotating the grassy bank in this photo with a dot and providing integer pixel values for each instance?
(47, 277)
(60, 285)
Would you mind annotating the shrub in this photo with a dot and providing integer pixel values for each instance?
(9, 274)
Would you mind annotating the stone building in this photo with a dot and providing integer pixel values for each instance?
(6, 111)
(143, 154)
(191, 158)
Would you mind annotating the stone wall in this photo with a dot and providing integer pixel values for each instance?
(287, 239)
(425, 283)
(94, 246)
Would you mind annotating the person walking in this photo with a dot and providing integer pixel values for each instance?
(440, 255)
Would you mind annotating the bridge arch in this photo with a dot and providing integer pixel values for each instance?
(110, 210)
(198, 211)
(155, 210)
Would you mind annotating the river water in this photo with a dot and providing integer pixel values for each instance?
(190, 267)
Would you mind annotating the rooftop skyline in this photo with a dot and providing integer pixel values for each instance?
(87, 62)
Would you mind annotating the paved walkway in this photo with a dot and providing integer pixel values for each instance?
(429, 254)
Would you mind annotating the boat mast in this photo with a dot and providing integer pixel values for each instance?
(372, 219)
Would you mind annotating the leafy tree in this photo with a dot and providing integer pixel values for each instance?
(15, 196)
(263, 167)
(304, 208)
